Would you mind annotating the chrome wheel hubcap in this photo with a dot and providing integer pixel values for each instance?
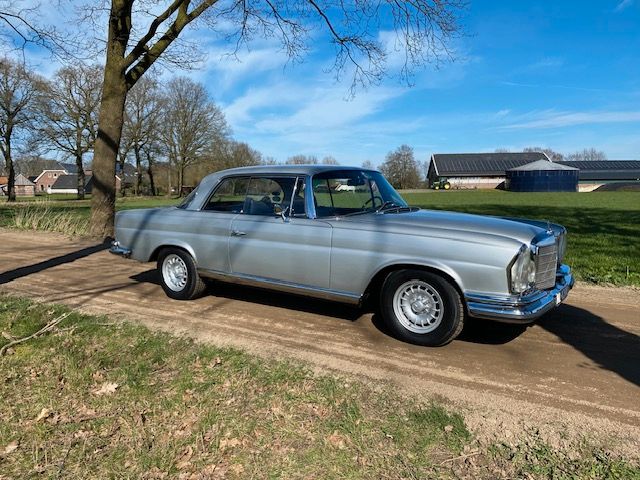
(174, 272)
(418, 306)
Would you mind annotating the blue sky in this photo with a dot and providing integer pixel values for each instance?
(564, 75)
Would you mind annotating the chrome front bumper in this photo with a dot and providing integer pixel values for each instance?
(517, 309)
(118, 249)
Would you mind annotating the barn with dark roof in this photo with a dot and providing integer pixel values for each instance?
(488, 170)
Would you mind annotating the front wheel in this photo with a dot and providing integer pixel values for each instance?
(421, 307)
(178, 275)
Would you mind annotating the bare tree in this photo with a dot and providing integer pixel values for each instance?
(231, 154)
(589, 154)
(192, 123)
(142, 129)
(401, 168)
(368, 164)
(302, 160)
(551, 154)
(329, 160)
(424, 30)
(20, 27)
(68, 120)
(18, 92)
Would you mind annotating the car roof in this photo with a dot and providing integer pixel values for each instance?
(283, 169)
(212, 179)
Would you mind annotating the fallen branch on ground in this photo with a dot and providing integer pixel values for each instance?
(47, 328)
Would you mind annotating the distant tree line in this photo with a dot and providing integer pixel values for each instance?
(173, 133)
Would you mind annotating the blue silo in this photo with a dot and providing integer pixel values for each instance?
(542, 176)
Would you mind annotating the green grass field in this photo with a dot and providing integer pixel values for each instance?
(94, 398)
(604, 227)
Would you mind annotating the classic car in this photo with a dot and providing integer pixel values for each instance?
(288, 228)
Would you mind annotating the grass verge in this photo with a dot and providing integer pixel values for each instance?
(96, 399)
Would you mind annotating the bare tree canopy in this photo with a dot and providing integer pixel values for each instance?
(401, 168)
(142, 131)
(192, 123)
(302, 160)
(551, 154)
(68, 115)
(590, 154)
(423, 32)
(21, 27)
(329, 160)
(368, 164)
(18, 92)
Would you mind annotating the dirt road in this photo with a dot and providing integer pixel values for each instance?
(576, 371)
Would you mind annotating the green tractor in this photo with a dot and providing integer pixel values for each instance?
(441, 184)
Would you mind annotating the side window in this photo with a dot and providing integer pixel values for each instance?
(265, 194)
(229, 196)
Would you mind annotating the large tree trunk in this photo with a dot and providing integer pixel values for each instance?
(110, 121)
(180, 179)
(12, 175)
(152, 185)
(81, 176)
(136, 152)
(8, 161)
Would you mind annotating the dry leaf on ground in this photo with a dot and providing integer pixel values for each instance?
(12, 447)
(107, 388)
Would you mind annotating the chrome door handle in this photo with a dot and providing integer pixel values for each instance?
(238, 233)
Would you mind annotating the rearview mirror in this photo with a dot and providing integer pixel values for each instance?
(281, 212)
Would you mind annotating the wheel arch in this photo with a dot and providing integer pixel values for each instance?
(172, 244)
(375, 284)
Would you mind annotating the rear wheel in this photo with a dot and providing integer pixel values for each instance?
(421, 307)
(178, 275)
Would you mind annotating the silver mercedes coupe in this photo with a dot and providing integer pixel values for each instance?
(344, 234)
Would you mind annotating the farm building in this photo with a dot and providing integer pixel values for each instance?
(69, 184)
(542, 176)
(24, 187)
(488, 170)
(477, 170)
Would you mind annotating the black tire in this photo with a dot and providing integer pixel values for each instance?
(190, 286)
(446, 300)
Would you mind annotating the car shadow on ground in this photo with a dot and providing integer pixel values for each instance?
(609, 347)
(261, 296)
(606, 345)
(14, 274)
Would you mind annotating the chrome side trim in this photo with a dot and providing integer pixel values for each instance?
(288, 287)
(118, 249)
(521, 309)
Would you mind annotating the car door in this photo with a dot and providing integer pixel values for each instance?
(290, 248)
(213, 223)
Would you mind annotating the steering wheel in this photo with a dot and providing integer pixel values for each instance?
(372, 201)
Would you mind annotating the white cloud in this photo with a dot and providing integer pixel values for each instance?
(623, 5)
(555, 119)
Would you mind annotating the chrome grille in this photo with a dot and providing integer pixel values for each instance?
(546, 264)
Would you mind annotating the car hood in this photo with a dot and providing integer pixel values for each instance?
(454, 224)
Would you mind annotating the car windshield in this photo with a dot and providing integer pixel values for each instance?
(353, 192)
